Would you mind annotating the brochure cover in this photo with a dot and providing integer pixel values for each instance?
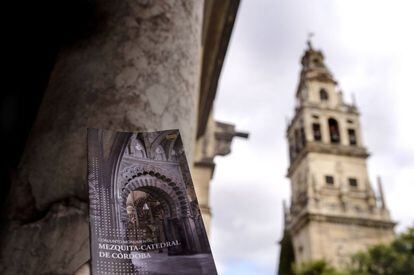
(144, 215)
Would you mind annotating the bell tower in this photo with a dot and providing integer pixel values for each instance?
(334, 211)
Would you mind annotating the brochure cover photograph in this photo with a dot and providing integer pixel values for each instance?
(144, 214)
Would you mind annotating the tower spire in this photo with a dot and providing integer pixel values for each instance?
(354, 103)
(381, 193)
(285, 212)
(284, 208)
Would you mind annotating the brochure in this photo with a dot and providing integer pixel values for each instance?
(144, 214)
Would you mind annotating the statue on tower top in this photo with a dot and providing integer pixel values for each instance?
(309, 41)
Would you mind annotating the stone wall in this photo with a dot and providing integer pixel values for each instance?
(336, 242)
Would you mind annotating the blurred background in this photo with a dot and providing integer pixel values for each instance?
(368, 47)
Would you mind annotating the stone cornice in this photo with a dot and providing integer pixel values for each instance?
(299, 222)
(205, 163)
(219, 17)
(324, 148)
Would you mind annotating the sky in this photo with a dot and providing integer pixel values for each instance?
(369, 47)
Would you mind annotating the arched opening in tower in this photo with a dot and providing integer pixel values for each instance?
(334, 130)
(323, 94)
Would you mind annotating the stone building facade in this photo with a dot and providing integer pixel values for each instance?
(334, 211)
(215, 142)
(118, 65)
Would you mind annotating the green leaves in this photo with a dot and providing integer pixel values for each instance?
(396, 258)
(319, 267)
